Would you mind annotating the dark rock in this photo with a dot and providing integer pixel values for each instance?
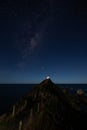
(45, 107)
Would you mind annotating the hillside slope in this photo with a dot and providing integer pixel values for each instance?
(45, 107)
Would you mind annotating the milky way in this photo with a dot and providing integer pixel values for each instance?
(33, 30)
(43, 37)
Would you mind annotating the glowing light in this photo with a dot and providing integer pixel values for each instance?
(48, 77)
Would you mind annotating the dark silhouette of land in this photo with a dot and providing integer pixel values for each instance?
(46, 107)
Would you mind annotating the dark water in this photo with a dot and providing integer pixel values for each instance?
(10, 93)
(73, 87)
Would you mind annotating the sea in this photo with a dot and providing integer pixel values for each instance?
(11, 93)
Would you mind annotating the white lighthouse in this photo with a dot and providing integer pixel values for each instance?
(48, 77)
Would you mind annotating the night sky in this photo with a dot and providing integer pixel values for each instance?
(43, 37)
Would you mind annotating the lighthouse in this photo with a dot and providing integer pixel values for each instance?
(48, 77)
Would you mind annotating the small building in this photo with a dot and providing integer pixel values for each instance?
(48, 77)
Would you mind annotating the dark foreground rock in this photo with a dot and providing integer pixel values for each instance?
(46, 107)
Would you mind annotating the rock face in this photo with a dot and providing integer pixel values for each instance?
(45, 107)
(80, 92)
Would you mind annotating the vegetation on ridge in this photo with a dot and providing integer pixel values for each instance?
(45, 107)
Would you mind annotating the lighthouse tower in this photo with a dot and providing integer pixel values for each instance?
(48, 77)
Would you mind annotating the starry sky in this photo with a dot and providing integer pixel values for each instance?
(43, 37)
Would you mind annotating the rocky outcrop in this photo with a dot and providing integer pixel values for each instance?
(45, 107)
(80, 92)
